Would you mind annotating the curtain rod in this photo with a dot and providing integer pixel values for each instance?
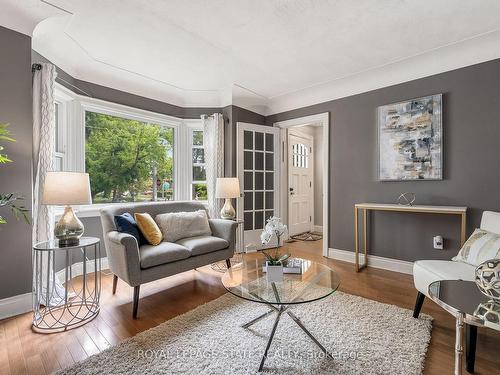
(36, 67)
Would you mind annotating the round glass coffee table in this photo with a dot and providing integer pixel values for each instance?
(247, 280)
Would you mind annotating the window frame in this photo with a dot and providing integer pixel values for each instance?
(73, 139)
(195, 126)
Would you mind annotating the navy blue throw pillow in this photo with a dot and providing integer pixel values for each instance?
(125, 223)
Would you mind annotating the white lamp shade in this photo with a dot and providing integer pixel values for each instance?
(66, 188)
(227, 187)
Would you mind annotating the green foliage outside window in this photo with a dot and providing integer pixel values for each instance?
(124, 158)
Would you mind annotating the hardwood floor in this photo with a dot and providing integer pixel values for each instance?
(25, 352)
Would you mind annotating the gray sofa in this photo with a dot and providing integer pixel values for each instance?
(138, 265)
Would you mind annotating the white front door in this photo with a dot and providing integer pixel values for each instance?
(300, 183)
(257, 164)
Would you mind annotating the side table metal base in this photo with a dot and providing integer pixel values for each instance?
(69, 303)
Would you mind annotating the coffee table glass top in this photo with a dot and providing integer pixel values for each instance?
(458, 296)
(248, 281)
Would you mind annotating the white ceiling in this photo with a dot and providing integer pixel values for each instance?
(267, 55)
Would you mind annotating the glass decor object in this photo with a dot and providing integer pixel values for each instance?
(488, 278)
(67, 188)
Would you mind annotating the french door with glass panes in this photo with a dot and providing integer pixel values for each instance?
(257, 170)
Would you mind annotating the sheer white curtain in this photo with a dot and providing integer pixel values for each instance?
(44, 76)
(213, 141)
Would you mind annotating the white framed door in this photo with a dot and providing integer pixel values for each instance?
(258, 172)
(300, 183)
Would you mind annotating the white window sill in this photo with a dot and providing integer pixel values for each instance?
(93, 210)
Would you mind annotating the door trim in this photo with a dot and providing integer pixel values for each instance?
(324, 120)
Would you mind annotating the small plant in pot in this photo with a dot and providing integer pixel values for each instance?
(274, 258)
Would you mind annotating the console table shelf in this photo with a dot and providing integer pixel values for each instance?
(365, 207)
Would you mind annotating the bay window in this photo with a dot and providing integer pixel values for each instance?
(131, 155)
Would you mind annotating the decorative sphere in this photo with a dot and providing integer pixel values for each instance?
(489, 312)
(406, 199)
(488, 278)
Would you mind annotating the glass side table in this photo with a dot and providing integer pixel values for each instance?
(470, 307)
(65, 293)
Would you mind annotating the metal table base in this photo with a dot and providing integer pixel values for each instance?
(280, 311)
(60, 305)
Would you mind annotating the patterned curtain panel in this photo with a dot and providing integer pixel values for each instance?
(213, 133)
(44, 76)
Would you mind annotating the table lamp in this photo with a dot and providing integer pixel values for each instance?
(227, 188)
(67, 188)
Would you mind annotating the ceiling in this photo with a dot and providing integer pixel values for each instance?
(266, 55)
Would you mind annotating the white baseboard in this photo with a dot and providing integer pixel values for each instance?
(22, 303)
(15, 305)
(389, 264)
(77, 268)
(318, 228)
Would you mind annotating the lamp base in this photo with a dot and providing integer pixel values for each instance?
(228, 212)
(69, 228)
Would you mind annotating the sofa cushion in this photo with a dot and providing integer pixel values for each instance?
(165, 252)
(148, 228)
(125, 223)
(203, 244)
(177, 225)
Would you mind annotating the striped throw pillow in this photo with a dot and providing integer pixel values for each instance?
(480, 247)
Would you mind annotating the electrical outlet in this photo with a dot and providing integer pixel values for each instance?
(438, 242)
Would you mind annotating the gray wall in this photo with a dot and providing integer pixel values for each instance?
(234, 114)
(15, 109)
(471, 115)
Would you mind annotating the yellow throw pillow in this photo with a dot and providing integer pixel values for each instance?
(149, 228)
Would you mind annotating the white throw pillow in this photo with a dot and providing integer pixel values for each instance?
(480, 247)
(177, 225)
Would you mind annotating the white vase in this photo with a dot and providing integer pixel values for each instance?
(274, 273)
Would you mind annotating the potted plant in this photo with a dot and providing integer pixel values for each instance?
(274, 259)
(9, 199)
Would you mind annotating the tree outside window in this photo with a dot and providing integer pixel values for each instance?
(128, 160)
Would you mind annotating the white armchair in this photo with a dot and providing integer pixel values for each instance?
(425, 272)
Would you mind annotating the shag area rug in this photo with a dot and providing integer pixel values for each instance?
(364, 337)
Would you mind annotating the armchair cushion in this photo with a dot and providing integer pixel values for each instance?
(480, 247)
(425, 272)
(203, 244)
(165, 252)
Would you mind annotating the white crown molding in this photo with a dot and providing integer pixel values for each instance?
(374, 261)
(454, 56)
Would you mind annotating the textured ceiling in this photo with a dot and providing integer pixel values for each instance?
(195, 52)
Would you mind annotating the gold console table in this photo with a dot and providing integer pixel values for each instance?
(365, 207)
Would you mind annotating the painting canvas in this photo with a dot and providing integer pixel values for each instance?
(410, 140)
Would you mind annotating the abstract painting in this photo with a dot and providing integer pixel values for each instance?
(410, 140)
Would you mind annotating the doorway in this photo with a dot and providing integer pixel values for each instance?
(300, 182)
(304, 176)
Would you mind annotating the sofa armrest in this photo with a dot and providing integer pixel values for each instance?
(123, 256)
(225, 229)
